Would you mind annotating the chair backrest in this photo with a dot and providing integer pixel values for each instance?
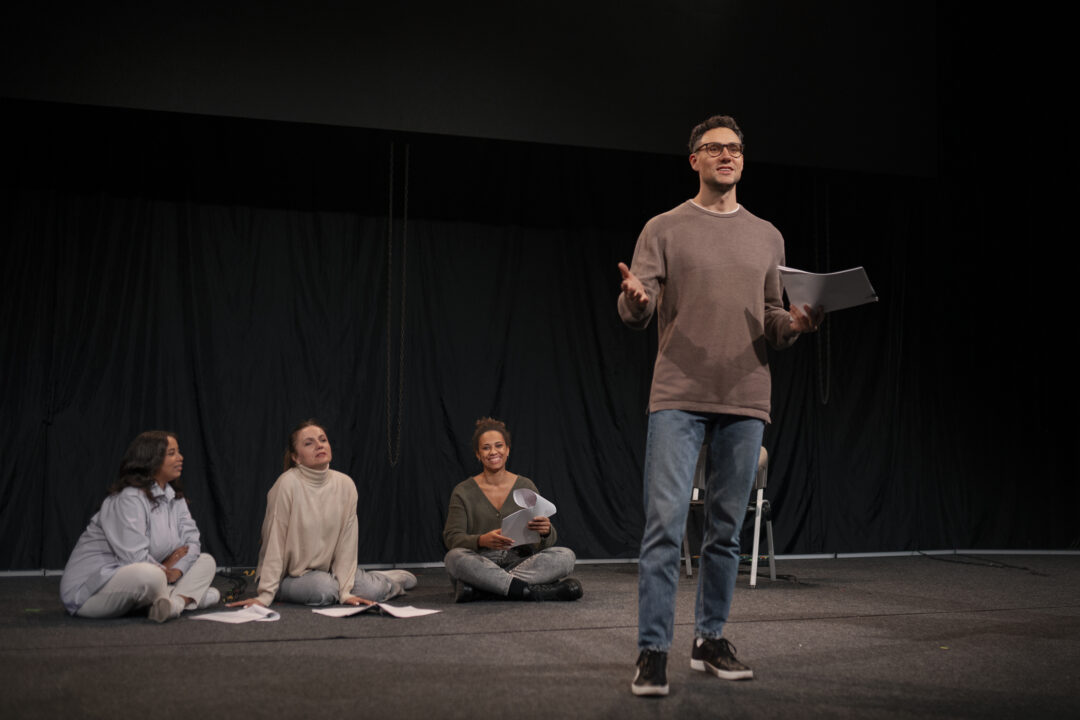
(760, 480)
(699, 469)
(762, 470)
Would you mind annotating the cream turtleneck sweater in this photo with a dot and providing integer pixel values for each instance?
(310, 525)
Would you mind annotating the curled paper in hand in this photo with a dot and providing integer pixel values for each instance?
(533, 505)
(540, 506)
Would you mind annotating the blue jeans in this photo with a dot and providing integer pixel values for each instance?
(671, 451)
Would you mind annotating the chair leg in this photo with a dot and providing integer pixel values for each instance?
(757, 539)
(686, 555)
(772, 553)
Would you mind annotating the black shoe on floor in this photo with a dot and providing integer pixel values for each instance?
(463, 592)
(651, 676)
(718, 658)
(566, 589)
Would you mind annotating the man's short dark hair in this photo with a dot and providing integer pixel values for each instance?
(716, 121)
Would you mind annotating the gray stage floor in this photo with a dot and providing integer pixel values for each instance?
(899, 637)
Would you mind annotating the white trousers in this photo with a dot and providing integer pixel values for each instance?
(139, 584)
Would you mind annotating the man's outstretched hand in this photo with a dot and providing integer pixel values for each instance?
(632, 287)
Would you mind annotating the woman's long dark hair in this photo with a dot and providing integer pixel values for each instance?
(141, 462)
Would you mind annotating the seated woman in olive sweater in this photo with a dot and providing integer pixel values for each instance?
(481, 560)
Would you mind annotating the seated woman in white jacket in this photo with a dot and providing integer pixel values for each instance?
(142, 547)
(309, 535)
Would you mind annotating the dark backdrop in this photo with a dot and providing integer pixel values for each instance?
(225, 278)
(619, 74)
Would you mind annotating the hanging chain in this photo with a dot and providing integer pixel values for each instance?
(393, 443)
(824, 336)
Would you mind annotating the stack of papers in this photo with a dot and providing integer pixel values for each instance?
(399, 611)
(258, 613)
(252, 613)
(831, 291)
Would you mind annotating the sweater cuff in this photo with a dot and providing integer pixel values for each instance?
(184, 564)
(634, 317)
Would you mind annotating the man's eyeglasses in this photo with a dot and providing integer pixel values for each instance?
(717, 149)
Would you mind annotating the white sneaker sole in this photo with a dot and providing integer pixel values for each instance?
(649, 690)
(161, 609)
(404, 578)
(210, 599)
(702, 666)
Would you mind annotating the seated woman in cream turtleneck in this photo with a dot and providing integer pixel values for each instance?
(309, 535)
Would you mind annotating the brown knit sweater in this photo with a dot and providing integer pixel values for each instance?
(712, 280)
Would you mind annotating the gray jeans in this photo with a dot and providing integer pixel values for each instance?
(321, 588)
(492, 570)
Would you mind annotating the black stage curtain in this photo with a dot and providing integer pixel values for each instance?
(226, 279)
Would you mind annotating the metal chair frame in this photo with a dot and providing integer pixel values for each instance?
(759, 506)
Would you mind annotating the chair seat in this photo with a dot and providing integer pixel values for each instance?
(759, 508)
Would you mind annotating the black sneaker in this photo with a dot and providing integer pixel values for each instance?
(463, 592)
(651, 677)
(718, 657)
(567, 589)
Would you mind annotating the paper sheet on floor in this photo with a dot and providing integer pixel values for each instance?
(252, 613)
(832, 291)
(401, 611)
(515, 526)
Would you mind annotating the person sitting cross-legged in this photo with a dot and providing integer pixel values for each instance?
(482, 562)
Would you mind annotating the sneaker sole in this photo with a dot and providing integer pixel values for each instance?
(161, 610)
(649, 690)
(702, 666)
(404, 578)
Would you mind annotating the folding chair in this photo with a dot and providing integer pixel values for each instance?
(759, 507)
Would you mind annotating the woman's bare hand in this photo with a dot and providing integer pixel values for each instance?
(245, 603)
(541, 525)
(174, 556)
(494, 540)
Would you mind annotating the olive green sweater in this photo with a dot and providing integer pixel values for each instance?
(472, 514)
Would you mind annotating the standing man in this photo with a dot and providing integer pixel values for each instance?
(708, 268)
